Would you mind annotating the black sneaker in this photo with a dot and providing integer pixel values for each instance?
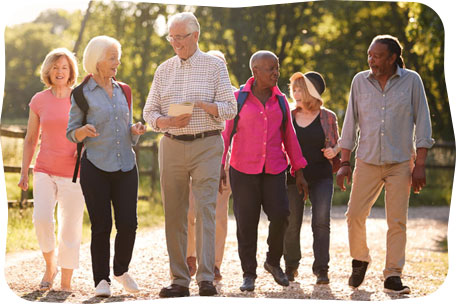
(291, 273)
(394, 285)
(322, 277)
(358, 271)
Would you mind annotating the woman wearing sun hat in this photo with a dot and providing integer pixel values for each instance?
(317, 132)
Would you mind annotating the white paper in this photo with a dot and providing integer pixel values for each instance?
(177, 109)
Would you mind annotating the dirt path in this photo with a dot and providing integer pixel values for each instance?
(23, 271)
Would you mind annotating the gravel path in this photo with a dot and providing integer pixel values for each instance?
(427, 225)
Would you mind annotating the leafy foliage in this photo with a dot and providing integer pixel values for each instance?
(330, 37)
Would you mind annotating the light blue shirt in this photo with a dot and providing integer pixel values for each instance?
(392, 122)
(111, 150)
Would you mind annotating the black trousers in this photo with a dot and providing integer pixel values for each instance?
(100, 188)
(250, 193)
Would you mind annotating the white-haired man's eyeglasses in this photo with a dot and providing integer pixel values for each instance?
(177, 38)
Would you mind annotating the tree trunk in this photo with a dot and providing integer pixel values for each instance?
(81, 31)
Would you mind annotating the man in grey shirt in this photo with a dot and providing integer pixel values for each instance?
(388, 116)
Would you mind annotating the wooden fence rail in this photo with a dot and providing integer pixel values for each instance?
(152, 173)
(25, 201)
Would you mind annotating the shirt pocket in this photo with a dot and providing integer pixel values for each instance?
(401, 102)
(124, 112)
(366, 106)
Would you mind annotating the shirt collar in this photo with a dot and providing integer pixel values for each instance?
(191, 60)
(399, 72)
(92, 84)
(249, 83)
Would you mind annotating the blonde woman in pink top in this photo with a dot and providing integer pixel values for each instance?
(53, 170)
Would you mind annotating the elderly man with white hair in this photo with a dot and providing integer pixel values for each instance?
(191, 148)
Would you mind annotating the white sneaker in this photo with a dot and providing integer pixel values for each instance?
(127, 282)
(103, 289)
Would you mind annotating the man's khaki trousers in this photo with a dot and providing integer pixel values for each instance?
(179, 160)
(368, 181)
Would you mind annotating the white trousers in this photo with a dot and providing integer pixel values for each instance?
(47, 191)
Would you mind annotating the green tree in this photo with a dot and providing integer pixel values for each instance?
(331, 37)
(25, 49)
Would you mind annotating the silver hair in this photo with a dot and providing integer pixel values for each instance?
(96, 50)
(187, 17)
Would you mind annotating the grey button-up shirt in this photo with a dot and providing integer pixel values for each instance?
(391, 123)
(111, 150)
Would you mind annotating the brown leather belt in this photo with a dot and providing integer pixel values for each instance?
(190, 137)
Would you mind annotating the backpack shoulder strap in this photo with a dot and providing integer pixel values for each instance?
(127, 91)
(242, 96)
(81, 102)
(80, 99)
(283, 108)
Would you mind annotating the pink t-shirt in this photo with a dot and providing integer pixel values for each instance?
(57, 153)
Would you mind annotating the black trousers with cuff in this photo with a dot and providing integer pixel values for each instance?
(100, 189)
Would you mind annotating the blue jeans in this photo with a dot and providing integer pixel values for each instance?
(320, 195)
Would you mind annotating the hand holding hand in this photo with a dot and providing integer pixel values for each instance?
(329, 153)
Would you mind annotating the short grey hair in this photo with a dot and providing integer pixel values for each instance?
(96, 50)
(187, 17)
(258, 55)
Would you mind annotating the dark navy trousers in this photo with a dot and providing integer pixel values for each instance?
(251, 193)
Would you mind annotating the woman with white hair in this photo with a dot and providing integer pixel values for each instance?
(53, 169)
(108, 164)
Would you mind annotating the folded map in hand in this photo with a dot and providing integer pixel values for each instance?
(177, 109)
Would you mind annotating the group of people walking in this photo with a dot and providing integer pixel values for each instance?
(249, 143)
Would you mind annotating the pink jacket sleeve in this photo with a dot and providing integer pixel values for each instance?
(292, 146)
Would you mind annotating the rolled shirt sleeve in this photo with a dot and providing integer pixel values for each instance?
(224, 98)
(421, 116)
(74, 121)
(348, 136)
